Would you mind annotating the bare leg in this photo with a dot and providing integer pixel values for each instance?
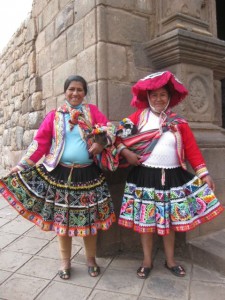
(147, 245)
(90, 243)
(169, 244)
(65, 248)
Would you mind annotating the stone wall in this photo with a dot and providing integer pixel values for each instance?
(20, 98)
(100, 40)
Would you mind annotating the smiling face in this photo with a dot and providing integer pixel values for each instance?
(158, 99)
(75, 93)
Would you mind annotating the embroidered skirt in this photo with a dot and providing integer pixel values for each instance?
(78, 208)
(181, 203)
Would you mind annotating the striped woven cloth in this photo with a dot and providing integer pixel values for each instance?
(143, 143)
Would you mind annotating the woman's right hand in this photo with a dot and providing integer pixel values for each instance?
(14, 170)
(131, 157)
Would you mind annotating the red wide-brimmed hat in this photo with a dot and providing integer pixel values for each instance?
(155, 81)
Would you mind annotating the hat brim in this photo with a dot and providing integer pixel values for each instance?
(155, 81)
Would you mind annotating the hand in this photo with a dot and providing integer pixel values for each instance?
(96, 149)
(131, 157)
(14, 170)
(208, 179)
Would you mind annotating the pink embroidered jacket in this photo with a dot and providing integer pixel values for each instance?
(50, 138)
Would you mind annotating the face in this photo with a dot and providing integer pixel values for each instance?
(159, 99)
(75, 93)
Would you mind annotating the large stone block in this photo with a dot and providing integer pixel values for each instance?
(61, 73)
(127, 27)
(50, 12)
(16, 138)
(47, 82)
(145, 6)
(19, 137)
(50, 33)
(117, 62)
(26, 87)
(35, 119)
(102, 65)
(18, 102)
(91, 96)
(23, 72)
(25, 120)
(82, 8)
(40, 41)
(119, 95)
(38, 7)
(35, 84)
(111, 61)
(86, 63)
(25, 106)
(8, 112)
(102, 99)
(44, 61)
(11, 157)
(63, 3)
(28, 137)
(90, 29)
(123, 4)
(75, 39)
(60, 100)
(39, 22)
(58, 51)
(220, 183)
(31, 30)
(15, 118)
(36, 101)
(64, 19)
(50, 104)
(213, 158)
(31, 63)
(217, 103)
(135, 73)
(6, 138)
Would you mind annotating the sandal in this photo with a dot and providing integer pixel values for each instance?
(64, 274)
(176, 270)
(143, 272)
(93, 271)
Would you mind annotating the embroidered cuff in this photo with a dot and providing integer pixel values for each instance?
(20, 167)
(23, 165)
(201, 171)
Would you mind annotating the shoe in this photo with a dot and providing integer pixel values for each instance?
(143, 272)
(93, 271)
(176, 270)
(64, 274)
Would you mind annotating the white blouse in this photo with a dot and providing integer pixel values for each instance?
(164, 154)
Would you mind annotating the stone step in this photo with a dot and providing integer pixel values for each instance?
(209, 251)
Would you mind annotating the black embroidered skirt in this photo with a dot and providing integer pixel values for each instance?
(79, 207)
(183, 202)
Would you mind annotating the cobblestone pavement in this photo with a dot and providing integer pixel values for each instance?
(29, 262)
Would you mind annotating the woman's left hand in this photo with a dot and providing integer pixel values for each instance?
(95, 149)
(208, 179)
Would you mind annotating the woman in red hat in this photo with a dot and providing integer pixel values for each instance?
(160, 195)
